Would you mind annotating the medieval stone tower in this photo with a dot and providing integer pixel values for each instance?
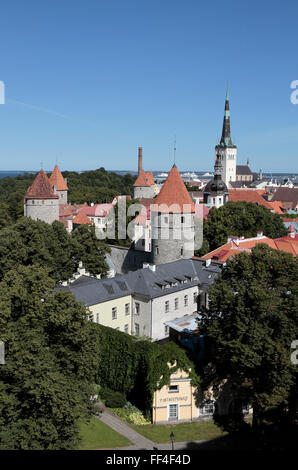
(172, 221)
(225, 150)
(41, 202)
(59, 185)
(144, 185)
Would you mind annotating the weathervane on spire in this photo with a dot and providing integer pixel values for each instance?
(175, 149)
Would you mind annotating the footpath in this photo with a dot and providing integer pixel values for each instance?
(139, 442)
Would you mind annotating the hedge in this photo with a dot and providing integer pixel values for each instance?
(134, 367)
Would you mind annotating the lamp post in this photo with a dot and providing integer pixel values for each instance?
(172, 436)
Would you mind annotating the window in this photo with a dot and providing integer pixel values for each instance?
(166, 330)
(176, 303)
(185, 300)
(97, 318)
(126, 309)
(167, 306)
(181, 251)
(91, 317)
(195, 297)
(173, 388)
(182, 219)
(219, 200)
(137, 308)
(214, 200)
(207, 409)
(114, 313)
(137, 329)
(125, 328)
(33, 202)
(173, 412)
(143, 242)
(156, 250)
(166, 219)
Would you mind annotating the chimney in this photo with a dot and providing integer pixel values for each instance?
(208, 262)
(259, 234)
(291, 231)
(140, 167)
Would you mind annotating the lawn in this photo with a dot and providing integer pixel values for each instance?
(183, 432)
(97, 435)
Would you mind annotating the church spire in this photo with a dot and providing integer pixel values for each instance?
(226, 140)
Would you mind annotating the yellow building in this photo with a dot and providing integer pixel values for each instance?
(114, 313)
(180, 401)
(176, 401)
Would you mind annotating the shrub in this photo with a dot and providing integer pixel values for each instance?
(115, 400)
(131, 414)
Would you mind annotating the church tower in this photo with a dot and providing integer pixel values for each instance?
(216, 193)
(172, 221)
(225, 149)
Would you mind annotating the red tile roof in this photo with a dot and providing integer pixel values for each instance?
(56, 179)
(81, 219)
(232, 248)
(144, 179)
(41, 188)
(277, 206)
(98, 210)
(173, 193)
(141, 179)
(248, 195)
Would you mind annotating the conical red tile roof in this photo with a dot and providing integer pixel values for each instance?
(56, 179)
(174, 192)
(142, 179)
(41, 188)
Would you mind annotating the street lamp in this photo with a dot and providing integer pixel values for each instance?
(172, 436)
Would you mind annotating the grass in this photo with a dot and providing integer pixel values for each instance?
(196, 431)
(97, 435)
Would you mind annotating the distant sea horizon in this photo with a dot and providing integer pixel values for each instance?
(14, 173)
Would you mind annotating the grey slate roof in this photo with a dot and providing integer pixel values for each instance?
(243, 170)
(145, 282)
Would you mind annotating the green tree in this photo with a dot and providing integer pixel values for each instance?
(90, 250)
(242, 219)
(120, 220)
(29, 242)
(251, 322)
(49, 363)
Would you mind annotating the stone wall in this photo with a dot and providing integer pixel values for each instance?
(172, 239)
(42, 209)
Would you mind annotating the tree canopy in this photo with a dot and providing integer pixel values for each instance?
(29, 242)
(251, 322)
(49, 363)
(89, 186)
(242, 219)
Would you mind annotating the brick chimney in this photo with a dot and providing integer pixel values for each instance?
(140, 167)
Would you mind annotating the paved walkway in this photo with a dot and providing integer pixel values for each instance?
(139, 441)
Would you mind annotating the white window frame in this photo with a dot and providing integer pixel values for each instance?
(178, 412)
(114, 313)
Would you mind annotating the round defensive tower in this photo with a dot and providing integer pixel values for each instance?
(172, 221)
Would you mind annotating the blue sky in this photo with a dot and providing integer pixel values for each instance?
(88, 82)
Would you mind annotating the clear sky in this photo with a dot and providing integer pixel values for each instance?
(88, 82)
